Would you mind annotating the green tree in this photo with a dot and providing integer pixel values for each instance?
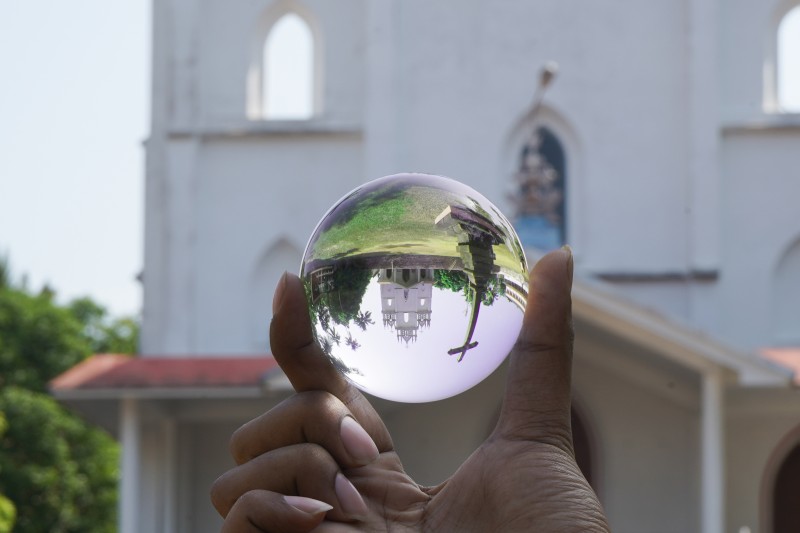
(453, 280)
(59, 473)
(105, 335)
(350, 284)
(38, 339)
(8, 513)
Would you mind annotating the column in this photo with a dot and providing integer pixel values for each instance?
(712, 498)
(169, 469)
(129, 434)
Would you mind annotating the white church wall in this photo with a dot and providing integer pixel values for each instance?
(204, 457)
(646, 441)
(744, 26)
(748, 46)
(250, 195)
(464, 86)
(168, 275)
(226, 39)
(760, 221)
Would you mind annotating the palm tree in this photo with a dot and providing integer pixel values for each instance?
(363, 319)
(351, 342)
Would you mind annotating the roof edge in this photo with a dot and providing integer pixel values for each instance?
(677, 342)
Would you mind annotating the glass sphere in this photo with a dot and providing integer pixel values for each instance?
(416, 287)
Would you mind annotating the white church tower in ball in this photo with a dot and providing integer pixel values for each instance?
(406, 299)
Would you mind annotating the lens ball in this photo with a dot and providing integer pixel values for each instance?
(416, 287)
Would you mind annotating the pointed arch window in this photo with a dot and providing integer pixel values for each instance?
(788, 62)
(786, 297)
(284, 76)
(540, 195)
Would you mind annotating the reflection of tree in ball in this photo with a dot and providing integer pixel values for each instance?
(434, 263)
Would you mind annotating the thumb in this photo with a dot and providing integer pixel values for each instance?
(537, 399)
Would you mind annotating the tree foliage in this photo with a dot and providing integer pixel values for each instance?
(453, 280)
(60, 473)
(57, 473)
(8, 513)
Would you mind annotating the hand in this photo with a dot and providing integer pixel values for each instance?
(322, 460)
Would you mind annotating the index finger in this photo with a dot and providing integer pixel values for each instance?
(307, 367)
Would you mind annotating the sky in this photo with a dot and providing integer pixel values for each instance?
(74, 99)
(386, 365)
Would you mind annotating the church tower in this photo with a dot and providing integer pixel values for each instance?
(406, 298)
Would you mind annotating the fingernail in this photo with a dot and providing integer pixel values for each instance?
(351, 501)
(357, 441)
(308, 505)
(278, 297)
(570, 262)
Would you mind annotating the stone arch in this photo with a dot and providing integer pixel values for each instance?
(280, 256)
(786, 296)
(257, 73)
(773, 62)
(557, 127)
(780, 486)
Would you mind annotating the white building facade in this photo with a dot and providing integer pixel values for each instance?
(679, 190)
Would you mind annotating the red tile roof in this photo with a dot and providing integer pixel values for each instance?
(114, 371)
(787, 357)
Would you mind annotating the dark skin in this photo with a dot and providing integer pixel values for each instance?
(522, 478)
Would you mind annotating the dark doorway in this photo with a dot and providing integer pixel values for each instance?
(786, 495)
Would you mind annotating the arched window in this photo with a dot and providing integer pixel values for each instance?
(272, 263)
(288, 70)
(283, 82)
(782, 66)
(540, 195)
(788, 62)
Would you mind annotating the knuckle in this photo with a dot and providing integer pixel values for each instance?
(561, 343)
(219, 496)
(318, 402)
(236, 445)
(315, 456)
(249, 499)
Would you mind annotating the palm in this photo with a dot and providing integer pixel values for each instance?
(503, 486)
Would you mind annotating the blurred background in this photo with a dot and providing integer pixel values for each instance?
(163, 163)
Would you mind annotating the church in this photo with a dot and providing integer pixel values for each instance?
(663, 148)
